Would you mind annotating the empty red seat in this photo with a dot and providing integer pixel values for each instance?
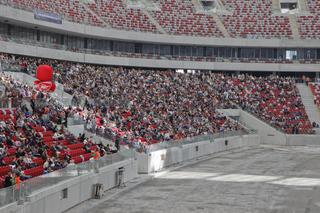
(4, 170)
(75, 146)
(8, 159)
(34, 171)
(12, 151)
(76, 152)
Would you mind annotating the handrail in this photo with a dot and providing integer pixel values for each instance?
(28, 187)
(195, 139)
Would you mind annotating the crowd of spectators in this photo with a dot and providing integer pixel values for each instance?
(273, 99)
(147, 106)
(315, 89)
(188, 97)
(151, 106)
(33, 136)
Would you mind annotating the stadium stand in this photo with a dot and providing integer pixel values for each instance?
(281, 108)
(121, 17)
(71, 10)
(254, 19)
(183, 111)
(245, 19)
(35, 142)
(275, 100)
(309, 25)
(179, 17)
(315, 88)
(248, 18)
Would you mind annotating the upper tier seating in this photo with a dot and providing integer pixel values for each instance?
(248, 19)
(254, 18)
(179, 17)
(309, 26)
(70, 10)
(121, 17)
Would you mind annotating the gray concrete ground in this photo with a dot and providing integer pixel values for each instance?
(264, 179)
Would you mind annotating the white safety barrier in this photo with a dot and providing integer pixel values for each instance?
(157, 160)
(67, 194)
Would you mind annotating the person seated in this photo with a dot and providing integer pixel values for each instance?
(28, 161)
(58, 136)
(315, 125)
(9, 180)
(113, 149)
(18, 171)
(87, 147)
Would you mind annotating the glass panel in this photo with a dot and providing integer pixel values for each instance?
(165, 50)
(167, 144)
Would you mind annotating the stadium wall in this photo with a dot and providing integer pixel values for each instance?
(76, 129)
(230, 112)
(270, 135)
(302, 140)
(79, 188)
(26, 19)
(157, 160)
(23, 49)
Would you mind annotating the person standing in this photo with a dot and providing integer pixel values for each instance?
(8, 181)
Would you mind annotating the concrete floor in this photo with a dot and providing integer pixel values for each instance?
(264, 179)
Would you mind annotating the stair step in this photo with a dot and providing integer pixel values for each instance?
(308, 102)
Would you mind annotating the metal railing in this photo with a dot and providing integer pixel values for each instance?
(11, 194)
(26, 188)
(150, 55)
(209, 137)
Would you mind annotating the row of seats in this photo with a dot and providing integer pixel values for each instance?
(179, 17)
(119, 16)
(76, 151)
(33, 145)
(309, 25)
(247, 19)
(71, 10)
(276, 101)
(254, 18)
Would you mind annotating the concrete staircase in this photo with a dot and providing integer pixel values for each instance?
(303, 6)
(197, 6)
(95, 14)
(308, 101)
(221, 26)
(151, 18)
(276, 6)
(294, 26)
(153, 21)
(215, 14)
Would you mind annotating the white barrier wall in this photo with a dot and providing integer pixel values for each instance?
(76, 129)
(80, 189)
(302, 140)
(157, 160)
(268, 134)
(230, 112)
